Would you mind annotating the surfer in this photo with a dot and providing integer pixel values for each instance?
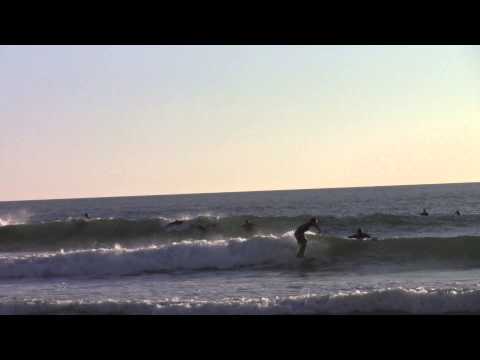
(248, 226)
(457, 213)
(424, 213)
(201, 228)
(205, 228)
(86, 216)
(359, 235)
(300, 235)
(176, 222)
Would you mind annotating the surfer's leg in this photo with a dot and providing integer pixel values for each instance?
(301, 250)
(302, 244)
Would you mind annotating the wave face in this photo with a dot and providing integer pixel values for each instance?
(81, 234)
(185, 255)
(386, 301)
(256, 253)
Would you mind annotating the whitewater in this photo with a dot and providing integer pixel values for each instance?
(128, 258)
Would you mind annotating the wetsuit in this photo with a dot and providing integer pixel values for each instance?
(300, 236)
(176, 222)
(248, 227)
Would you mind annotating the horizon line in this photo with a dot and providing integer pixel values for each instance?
(234, 192)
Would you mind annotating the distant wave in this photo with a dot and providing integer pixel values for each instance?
(81, 234)
(386, 301)
(16, 218)
(256, 253)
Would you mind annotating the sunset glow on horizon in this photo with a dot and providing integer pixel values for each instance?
(94, 121)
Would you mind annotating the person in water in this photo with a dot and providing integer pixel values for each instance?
(457, 213)
(424, 213)
(205, 228)
(300, 235)
(248, 226)
(202, 228)
(359, 235)
(176, 222)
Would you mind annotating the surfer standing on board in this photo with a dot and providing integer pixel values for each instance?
(300, 235)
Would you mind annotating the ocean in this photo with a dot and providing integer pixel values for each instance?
(125, 258)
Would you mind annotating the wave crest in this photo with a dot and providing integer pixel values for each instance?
(258, 252)
(81, 234)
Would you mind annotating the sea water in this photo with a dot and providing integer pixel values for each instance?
(125, 258)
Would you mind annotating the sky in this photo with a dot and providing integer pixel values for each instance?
(91, 121)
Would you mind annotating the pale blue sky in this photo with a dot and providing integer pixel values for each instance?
(81, 121)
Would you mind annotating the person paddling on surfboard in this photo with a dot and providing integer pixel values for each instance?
(205, 228)
(300, 235)
(175, 223)
(424, 212)
(359, 235)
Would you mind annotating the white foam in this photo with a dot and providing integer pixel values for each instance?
(393, 300)
(17, 218)
(189, 217)
(185, 255)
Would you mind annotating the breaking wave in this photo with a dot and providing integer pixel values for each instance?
(17, 218)
(386, 301)
(16, 235)
(256, 253)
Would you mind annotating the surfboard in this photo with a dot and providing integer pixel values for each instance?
(362, 239)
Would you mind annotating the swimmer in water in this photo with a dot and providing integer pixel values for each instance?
(359, 235)
(300, 235)
(205, 228)
(176, 222)
(248, 226)
(424, 213)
